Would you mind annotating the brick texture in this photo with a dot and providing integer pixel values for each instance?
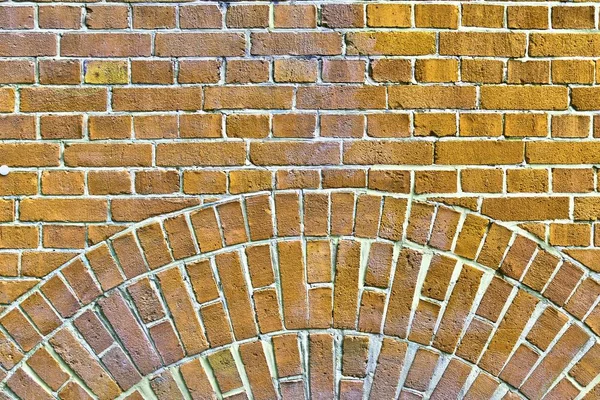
(299, 200)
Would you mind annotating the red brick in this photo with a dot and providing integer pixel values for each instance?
(75, 44)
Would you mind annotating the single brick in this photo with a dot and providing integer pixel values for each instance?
(413, 43)
(76, 44)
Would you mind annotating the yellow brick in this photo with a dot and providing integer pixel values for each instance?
(483, 15)
(482, 71)
(388, 15)
(488, 44)
(435, 124)
(528, 71)
(106, 72)
(485, 180)
(564, 44)
(436, 70)
(573, 71)
(573, 17)
(524, 97)
(479, 124)
(527, 17)
(7, 99)
(586, 98)
(527, 180)
(570, 234)
(524, 125)
(436, 16)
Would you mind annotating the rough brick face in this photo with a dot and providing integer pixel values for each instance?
(299, 200)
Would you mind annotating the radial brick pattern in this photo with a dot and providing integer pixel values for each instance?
(321, 295)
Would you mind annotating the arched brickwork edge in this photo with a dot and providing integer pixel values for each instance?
(441, 228)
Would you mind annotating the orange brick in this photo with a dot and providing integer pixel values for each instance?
(388, 125)
(436, 70)
(390, 70)
(482, 44)
(435, 124)
(390, 43)
(247, 71)
(63, 210)
(247, 16)
(61, 127)
(199, 71)
(200, 16)
(295, 16)
(343, 71)
(153, 17)
(572, 180)
(342, 15)
(255, 126)
(525, 125)
(151, 72)
(572, 71)
(75, 44)
(487, 180)
(62, 182)
(107, 16)
(109, 127)
(59, 17)
(292, 70)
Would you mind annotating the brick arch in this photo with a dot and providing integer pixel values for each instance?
(488, 294)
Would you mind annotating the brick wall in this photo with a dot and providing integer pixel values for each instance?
(303, 199)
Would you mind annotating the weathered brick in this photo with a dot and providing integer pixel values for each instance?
(106, 16)
(295, 16)
(28, 44)
(248, 97)
(63, 100)
(482, 44)
(184, 154)
(381, 152)
(388, 15)
(479, 152)
(305, 43)
(413, 96)
(390, 43)
(564, 44)
(341, 97)
(74, 44)
(190, 44)
(524, 97)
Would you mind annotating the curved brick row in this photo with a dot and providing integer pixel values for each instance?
(443, 280)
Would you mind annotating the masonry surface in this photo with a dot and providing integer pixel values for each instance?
(299, 200)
